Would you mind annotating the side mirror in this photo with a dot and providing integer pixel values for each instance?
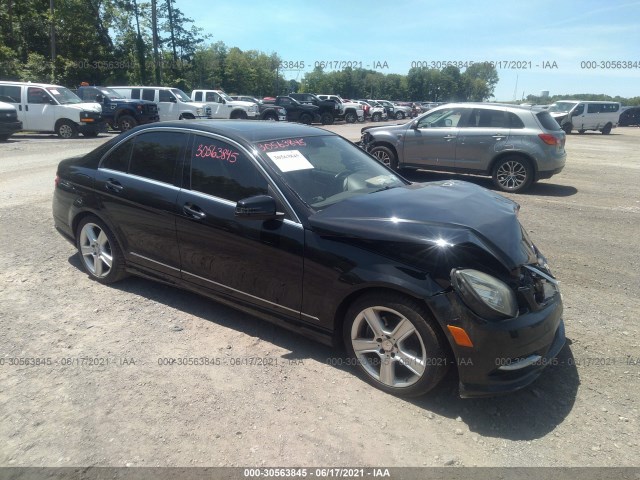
(414, 125)
(258, 207)
(99, 98)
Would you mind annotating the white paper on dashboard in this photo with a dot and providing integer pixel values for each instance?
(290, 160)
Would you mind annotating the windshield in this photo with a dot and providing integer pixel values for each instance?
(180, 94)
(325, 170)
(562, 107)
(226, 97)
(111, 94)
(63, 95)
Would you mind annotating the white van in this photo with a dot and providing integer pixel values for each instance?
(223, 106)
(583, 115)
(51, 108)
(173, 103)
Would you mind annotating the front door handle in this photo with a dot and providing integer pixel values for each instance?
(449, 137)
(498, 136)
(193, 211)
(113, 185)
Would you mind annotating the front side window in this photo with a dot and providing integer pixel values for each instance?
(445, 118)
(38, 96)
(213, 97)
(155, 155)
(165, 96)
(222, 170)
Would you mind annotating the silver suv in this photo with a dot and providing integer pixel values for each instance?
(516, 145)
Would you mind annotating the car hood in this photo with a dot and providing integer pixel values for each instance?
(436, 214)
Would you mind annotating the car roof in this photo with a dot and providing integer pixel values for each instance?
(248, 130)
(31, 84)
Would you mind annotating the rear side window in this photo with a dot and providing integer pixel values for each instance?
(135, 93)
(155, 155)
(594, 108)
(221, 170)
(119, 158)
(198, 97)
(487, 118)
(514, 120)
(547, 121)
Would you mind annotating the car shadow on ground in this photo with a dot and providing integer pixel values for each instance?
(524, 415)
(541, 188)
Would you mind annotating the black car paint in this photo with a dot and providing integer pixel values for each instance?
(142, 111)
(301, 272)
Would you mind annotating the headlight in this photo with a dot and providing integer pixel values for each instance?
(487, 296)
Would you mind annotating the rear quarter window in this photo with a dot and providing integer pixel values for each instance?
(547, 121)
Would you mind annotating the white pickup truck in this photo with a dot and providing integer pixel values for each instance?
(223, 106)
(351, 112)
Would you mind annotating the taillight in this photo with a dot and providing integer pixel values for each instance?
(549, 139)
(56, 181)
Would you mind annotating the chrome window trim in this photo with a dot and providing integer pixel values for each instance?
(138, 177)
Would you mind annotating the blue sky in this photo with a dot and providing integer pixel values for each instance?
(535, 34)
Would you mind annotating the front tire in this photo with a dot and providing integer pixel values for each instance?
(67, 129)
(395, 344)
(376, 117)
(351, 117)
(399, 115)
(567, 127)
(386, 156)
(512, 174)
(99, 251)
(607, 129)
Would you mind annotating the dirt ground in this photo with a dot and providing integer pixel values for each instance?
(82, 379)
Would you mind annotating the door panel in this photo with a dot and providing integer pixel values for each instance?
(40, 114)
(137, 186)
(254, 261)
(433, 141)
(484, 133)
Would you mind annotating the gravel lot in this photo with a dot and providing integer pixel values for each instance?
(102, 398)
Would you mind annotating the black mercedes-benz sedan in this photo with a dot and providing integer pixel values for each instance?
(300, 227)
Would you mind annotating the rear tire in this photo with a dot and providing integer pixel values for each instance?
(567, 127)
(607, 129)
(351, 117)
(399, 115)
(306, 119)
(395, 344)
(327, 118)
(99, 251)
(513, 174)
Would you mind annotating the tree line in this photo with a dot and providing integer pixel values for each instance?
(152, 42)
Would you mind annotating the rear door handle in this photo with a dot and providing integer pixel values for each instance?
(498, 136)
(113, 185)
(193, 211)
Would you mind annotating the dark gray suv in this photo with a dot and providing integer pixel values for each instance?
(515, 145)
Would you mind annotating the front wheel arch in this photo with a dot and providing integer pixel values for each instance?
(433, 343)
